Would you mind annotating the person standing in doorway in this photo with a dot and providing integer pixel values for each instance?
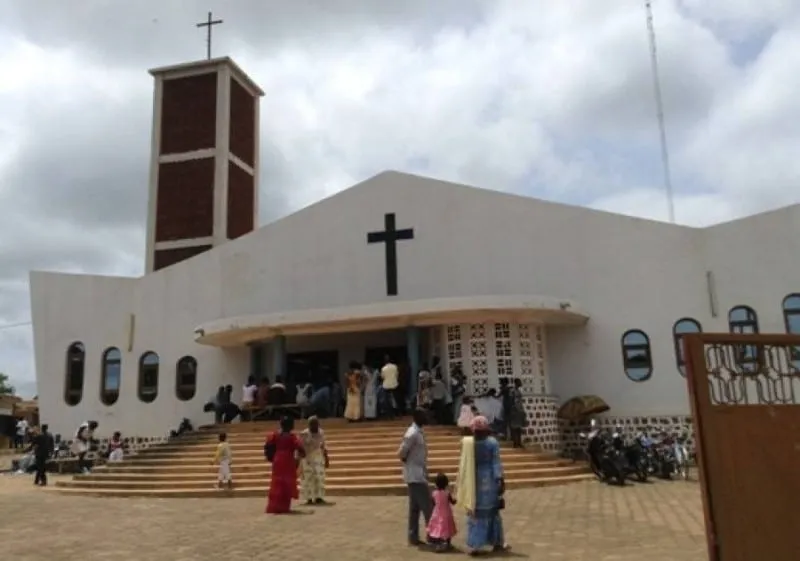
(439, 397)
(457, 390)
(413, 453)
(517, 419)
(370, 376)
(43, 447)
(352, 410)
(390, 379)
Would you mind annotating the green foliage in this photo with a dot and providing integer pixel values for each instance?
(5, 387)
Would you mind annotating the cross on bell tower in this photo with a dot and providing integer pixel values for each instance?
(209, 24)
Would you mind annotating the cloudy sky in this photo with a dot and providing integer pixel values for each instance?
(551, 99)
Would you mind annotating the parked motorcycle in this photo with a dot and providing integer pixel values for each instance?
(635, 459)
(605, 461)
(648, 449)
(665, 454)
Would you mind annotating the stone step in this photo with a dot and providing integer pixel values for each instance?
(254, 480)
(366, 456)
(356, 489)
(331, 442)
(260, 465)
(332, 473)
(328, 425)
(363, 462)
(375, 432)
(258, 450)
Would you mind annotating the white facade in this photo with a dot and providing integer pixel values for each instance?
(477, 257)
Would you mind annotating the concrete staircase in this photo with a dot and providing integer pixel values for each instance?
(363, 462)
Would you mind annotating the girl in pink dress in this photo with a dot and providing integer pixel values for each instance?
(442, 526)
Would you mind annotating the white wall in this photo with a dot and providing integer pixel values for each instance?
(96, 311)
(624, 272)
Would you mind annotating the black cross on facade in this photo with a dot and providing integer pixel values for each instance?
(208, 24)
(390, 236)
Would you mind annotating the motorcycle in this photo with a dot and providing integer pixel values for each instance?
(635, 460)
(648, 448)
(665, 454)
(605, 461)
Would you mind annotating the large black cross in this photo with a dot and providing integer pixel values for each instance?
(390, 237)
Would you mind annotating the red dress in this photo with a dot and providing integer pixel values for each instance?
(283, 482)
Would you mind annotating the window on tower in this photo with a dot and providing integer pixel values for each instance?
(76, 363)
(148, 377)
(637, 359)
(681, 328)
(112, 372)
(186, 378)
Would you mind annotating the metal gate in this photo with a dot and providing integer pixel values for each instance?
(745, 394)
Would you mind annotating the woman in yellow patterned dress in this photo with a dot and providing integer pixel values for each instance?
(313, 464)
(352, 410)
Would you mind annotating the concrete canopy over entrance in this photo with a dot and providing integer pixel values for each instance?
(238, 331)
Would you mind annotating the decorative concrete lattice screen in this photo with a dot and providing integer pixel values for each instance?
(454, 351)
(487, 352)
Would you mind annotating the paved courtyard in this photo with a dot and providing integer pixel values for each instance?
(661, 521)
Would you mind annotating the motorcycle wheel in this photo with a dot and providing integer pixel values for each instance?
(641, 474)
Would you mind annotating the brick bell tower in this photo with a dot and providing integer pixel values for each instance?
(204, 160)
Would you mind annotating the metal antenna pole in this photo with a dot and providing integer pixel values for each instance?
(662, 129)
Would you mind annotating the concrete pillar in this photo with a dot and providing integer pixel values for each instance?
(279, 358)
(413, 344)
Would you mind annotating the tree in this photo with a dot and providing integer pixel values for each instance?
(5, 387)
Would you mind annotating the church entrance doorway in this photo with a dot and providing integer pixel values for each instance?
(746, 409)
(374, 356)
(317, 367)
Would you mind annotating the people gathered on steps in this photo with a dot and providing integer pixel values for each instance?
(370, 392)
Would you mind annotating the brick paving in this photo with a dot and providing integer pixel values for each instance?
(661, 521)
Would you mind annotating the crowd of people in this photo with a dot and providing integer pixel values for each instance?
(373, 393)
(299, 462)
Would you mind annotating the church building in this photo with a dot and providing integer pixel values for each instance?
(570, 300)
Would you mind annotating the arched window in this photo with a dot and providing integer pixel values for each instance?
(791, 318)
(791, 314)
(636, 357)
(73, 384)
(744, 320)
(112, 372)
(682, 327)
(186, 378)
(148, 377)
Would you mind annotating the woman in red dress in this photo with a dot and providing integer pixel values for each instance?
(283, 448)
